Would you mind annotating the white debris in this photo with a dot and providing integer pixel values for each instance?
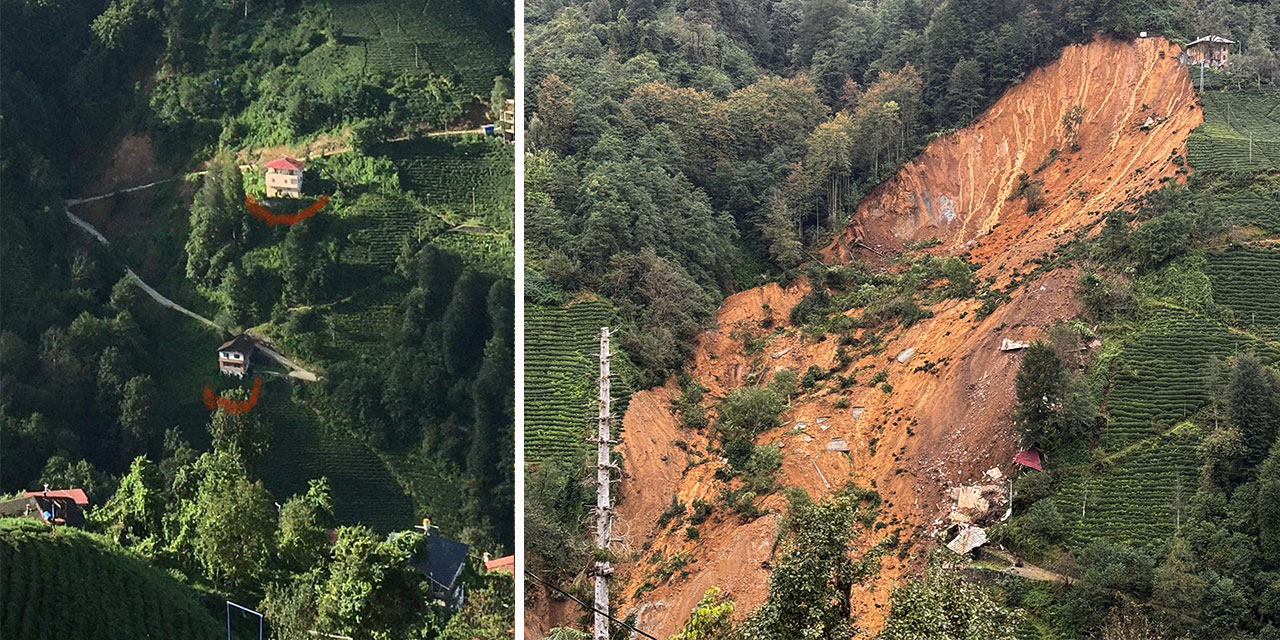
(906, 354)
(1012, 345)
(856, 412)
(778, 354)
(994, 474)
(970, 538)
(837, 444)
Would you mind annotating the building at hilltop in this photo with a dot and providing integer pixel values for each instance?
(284, 178)
(235, 355)
(1209, 51)
(57, 507)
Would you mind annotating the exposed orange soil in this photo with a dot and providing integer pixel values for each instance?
(938, 427)
(959, 188)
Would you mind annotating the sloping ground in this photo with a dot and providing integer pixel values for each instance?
(71, 584)
(1241, 132)
(963, 188)
(562, 368)
(946, 416)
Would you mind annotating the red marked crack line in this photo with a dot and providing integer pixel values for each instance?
(233, 407)
(273, 219)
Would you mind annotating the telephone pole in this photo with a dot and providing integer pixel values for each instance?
(604, 508)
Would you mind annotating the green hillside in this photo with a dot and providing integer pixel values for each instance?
(1241, 132)
(69, 584)
(450, 38)
(562, 364)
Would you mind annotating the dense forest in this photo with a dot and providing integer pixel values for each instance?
(683, 151)
(398, 295)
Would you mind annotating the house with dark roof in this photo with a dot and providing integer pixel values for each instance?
(284, 178)
(60, 507)
(236, 355)
(443, 562)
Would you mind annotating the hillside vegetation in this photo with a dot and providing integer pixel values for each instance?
(52, 583)
(398, 294)
(1056, 216)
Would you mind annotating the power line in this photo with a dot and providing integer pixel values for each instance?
(584, 605)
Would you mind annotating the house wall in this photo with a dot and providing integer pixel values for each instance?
(283, 183)
(1212, 55)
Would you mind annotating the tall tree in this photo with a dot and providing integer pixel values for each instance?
(219, 223)
(1254, 394)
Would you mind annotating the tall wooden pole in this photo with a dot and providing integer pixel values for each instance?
(604, 508)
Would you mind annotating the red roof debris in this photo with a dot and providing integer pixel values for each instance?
(75, 494)
(288, 164)
(1029, 458)
(505, 564)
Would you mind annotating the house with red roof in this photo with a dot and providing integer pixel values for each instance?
(56, 507)
(284, 178)
(506, 564)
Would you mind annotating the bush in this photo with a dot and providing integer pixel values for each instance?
(813, 307)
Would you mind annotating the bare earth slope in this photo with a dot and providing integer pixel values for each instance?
(942, 424)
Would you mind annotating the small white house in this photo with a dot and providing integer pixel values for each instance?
(235, 355)
(284, 178)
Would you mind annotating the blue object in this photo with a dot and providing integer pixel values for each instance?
(488, 129)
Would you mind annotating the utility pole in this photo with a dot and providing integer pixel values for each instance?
(604, 508)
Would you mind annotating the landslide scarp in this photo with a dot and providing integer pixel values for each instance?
(1105, 123)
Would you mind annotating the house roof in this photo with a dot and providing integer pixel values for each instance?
(1029, 458)
(444, 561)
(505, 564)
(75, 494)
(285, 163)
(241, 343)
(1210, 39)
(970, 538)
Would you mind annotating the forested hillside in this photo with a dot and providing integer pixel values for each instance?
(685, 151)
(391, 301)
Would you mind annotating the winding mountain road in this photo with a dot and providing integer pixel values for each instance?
(295, 370)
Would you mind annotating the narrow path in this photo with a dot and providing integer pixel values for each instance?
(295, 370)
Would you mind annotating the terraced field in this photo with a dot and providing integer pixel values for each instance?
(1256, 203)
(376, 226)
(1133, 501)
(54, 586)
(561, 365)
(1157, 380)
(469, 185)
(472, 175)
(1247, 281)
(1155, 383)
(443, 37)
(1241, 132)
(364, 490)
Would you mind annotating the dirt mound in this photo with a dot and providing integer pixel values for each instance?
(945, 417)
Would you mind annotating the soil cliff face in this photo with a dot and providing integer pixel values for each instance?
(947, 418)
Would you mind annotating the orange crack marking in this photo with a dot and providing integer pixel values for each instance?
(272, 219)
(233, 407)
